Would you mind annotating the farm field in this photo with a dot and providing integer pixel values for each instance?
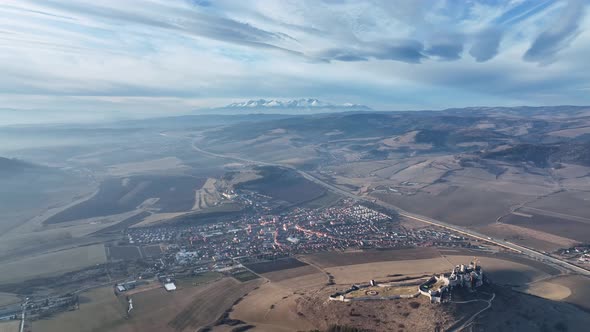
(575, 230)
(281, 275)
(100, 310)
(244, 275)
(527, 236)
(11, 326)
(212, 301)
(331, 259)
(123, 252)
(275, 265)
(170, 194)
(154, 310)
(53, 263)
(476, 207)
(151, 251)
(8, 298)
(284, 185)
(199, 279)
(567, 202)
(579, 287)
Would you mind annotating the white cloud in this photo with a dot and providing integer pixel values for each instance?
(411, 54)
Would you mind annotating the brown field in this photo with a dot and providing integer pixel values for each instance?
(123, 252)
(331, 259)
(527, 237)
(295, 299)
(547, 290)
(387, 291)
(307, 283)
(297, 272)
(579, 287)
(390, 315)
(567, 202)
(100, 310)
(272, 308)
(52, 264)
(7, 299)
(350, 274)
(462, 206)
(154, 310)
(513, 311)
(574, 230)
(573, 132)
(501, 270)
(12, 326)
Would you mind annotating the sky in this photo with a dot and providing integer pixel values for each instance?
(78, 59)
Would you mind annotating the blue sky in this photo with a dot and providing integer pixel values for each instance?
(100, 59)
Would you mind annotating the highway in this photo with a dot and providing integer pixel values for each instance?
(534, 254)
(24, 312)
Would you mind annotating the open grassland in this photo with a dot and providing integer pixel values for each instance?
(295, 299)
(389, 315)
(502, 270)
(53, 263)
(100, 310)
(575, 230)
(547, 290)
(514, 311)
(350, 274)
(385, 291)
(579, 288)
(272, 307)
(154, 310)
(213, 300)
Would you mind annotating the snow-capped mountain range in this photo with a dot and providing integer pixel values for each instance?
(310, 103)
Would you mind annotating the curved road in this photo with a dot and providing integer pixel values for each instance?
(537, 255)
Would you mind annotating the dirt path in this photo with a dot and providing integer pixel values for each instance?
(470, 320)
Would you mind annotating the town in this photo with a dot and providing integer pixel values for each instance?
(296, 231)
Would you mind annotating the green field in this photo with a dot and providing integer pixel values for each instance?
(52, 264)
(244, 276)
(199, 279)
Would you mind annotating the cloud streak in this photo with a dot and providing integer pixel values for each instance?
(561, 32)
(407, 54)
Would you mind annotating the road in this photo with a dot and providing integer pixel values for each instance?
(22, 320)
(536, 255)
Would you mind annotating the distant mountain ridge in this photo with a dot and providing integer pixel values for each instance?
(307, 104)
